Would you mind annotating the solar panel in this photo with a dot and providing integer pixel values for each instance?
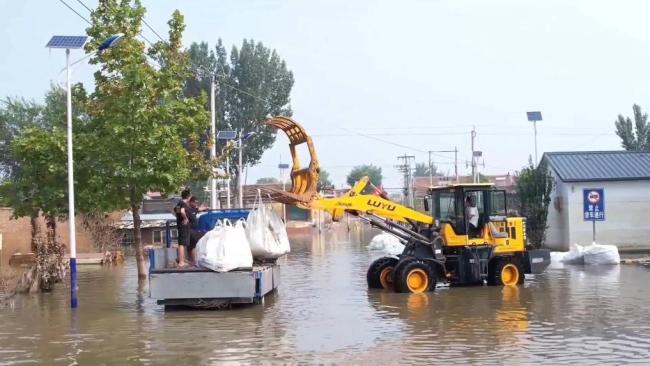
(226, 135)
(70, 42)
(534, 116)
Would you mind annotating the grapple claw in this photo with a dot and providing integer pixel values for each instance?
(304, 182)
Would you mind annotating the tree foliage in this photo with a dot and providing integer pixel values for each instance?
(634, 136)
(534, 187)
(324, 180)
(146, 135)
(360, 171)
(268, 180)
(37, 157)
(16, 115)
(253, 83)
(422, 170)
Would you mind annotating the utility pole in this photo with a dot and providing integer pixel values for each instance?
(213, 149)
(473, 155)
(455, 151)
(405, 168)
(456, 164)
(430, 171)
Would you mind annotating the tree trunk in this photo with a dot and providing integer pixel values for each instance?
(137, 242)
(50, 225)
(35, 231)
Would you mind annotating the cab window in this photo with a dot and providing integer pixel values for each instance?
(497, 203)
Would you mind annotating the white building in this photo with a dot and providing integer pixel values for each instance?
(625, 178)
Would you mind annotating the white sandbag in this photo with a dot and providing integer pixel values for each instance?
(557, 257)
(387, 243)
(596, 254)
(575, 255)
(266, 233)
(225, 248)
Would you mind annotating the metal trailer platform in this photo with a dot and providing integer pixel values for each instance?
(204, 288)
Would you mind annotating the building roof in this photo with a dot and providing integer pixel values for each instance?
(592, 166)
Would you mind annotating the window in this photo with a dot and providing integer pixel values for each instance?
(157, 236)
(127, 238)
(445, 206)
(498, 203)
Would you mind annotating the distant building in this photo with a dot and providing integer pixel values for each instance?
(625, 178)
(154, 215)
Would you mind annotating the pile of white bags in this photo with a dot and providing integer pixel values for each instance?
(225, 247)
(266, 233)
(387, 243)
(593, 254)
(602, 254)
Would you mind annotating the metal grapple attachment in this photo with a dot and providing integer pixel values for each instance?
(304, 181)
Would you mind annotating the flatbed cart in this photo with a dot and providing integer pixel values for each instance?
(204, 288)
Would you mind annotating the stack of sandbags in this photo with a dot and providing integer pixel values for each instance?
(225, 247)
(601, 254)
(387, 243)
(593, 254)
(266, 233)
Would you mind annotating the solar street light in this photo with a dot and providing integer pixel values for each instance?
(73, 43)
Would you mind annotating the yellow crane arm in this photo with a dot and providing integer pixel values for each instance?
(370, 204)
(304, 181)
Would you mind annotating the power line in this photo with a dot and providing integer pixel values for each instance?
(88, 21)
(85, 6)
(76, 12)
(151, 28)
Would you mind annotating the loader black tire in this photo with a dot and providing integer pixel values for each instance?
(412, 275)
(505, 272)
(380, 273)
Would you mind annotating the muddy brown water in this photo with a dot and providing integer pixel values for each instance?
(323, 313)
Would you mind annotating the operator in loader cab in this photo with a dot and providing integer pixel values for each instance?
(471, 214)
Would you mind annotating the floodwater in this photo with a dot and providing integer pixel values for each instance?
(323, 313)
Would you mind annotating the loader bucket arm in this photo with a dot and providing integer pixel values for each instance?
(304, 181)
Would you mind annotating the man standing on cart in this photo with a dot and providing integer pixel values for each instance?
(195, 232)
(183, 226)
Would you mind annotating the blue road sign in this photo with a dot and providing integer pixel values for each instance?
(534, 116)
(594, 204)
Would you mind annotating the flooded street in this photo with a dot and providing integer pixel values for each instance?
(323, 312)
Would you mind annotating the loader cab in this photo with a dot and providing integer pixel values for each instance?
(449, 206)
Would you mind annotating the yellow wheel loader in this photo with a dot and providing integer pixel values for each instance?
(465, 237)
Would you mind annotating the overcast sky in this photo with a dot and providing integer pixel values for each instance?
(378, 79)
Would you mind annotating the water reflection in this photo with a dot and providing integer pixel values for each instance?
(323, 313)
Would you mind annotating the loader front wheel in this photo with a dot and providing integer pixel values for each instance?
(380, 273)
(414, 276)
(505, 273)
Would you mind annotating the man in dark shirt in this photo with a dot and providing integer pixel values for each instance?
(183, 226)
(195, 233)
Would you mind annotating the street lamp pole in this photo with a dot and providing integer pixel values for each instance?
(71, 218)
(534, 117)
(68, 43)
(213, 149)
(241, 140)
(241, 174)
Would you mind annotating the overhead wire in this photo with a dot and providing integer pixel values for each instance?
(76, 12)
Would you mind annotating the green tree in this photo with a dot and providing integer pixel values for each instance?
(36, 155)
(360, 171)
(634, 137)
(324, 180)
(268, 180)
(147, 136)
(16, 115)
(253, 83)
(422, 170)
(534, 187)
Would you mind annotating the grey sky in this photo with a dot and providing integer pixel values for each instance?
(416, 73)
